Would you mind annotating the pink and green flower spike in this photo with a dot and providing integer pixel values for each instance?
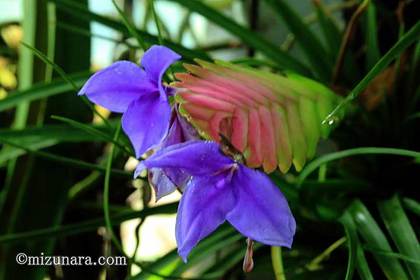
(273, 120)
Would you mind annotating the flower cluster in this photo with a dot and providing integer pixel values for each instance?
(216, 188)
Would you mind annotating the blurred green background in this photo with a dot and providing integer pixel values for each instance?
(356, 203)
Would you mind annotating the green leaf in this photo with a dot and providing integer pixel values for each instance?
(105, 200)
(84, 14)
(309, 43)
(402, 233)
(404, 42)
(96, 133)
(86, 226)
(247, 36)
(50, 63)
(393, 255)
(164, 265)
(58, 133)
(130, 27)
(312, 166)
(26, 193)
(65, 77)
(12, 153)
(173, 266)
(330, 30)
(36, 138)
(333, 37)
(412, 205)
(199, 254)
(373, 235)
(352, 241)
(64, 160)
(227, 262)
(41, 90)
(363, 266)
(371, 36)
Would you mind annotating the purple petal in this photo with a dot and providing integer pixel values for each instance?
(202, 209)
(175, 133)
(166, 180)
(160, 183)
(261, 211)
(146, 122)
(116, 86)
(180, 131)
(156, 61)
(170, 91)
(188, 131)
(175, 136)
(197, 158)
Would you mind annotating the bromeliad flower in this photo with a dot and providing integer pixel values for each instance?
(220, 190)
(138, 93)
(273, 120)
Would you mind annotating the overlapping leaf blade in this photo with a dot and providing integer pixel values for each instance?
(310, 44)
(250, 38)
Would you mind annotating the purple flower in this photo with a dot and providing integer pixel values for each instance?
(139, 93)
(220, 190)
(166, 180)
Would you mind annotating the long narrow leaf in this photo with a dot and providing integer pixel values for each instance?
(84, 14)
(363, 266)
(353, 243)
(403, 43)
(309, 43)
(401, 232)
(248, 37)
(371, 36)
(130, 27)
(412, 205)
(58, 133)
(330, 30)
(353, 152)
(94, 132)
(86, 226)
(373, 235)
(64, 160)
(40, 91)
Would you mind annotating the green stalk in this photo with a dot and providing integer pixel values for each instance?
(315, 263)
(25, 68)
(108, 222)
(353, 152)
(64, 160)
(412, 205)
(157, 22)
(277, 262)
(130, 27)
(84, 226)
(65, 77)
(83, 185)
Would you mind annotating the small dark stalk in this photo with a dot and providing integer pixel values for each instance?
(346, 39)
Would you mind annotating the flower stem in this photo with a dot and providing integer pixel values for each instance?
(322, 172)
(315, 263)
(108, 223)
(277, 261)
